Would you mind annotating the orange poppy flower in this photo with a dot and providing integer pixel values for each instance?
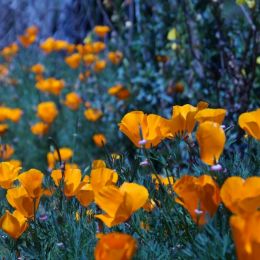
(3, 128)
(183, 118)
(89, 59)
(73, 100)
(27, 40)
(246, 234)
(97, 47)
(15, 163)
(6, 151)
(60, 45)
(32, 181)
(167, 181)
(40, 129)
(211, 138)
(115, 246)
(120, 203)
(101, 30)
(37, 68)
(200, 196)
(65, 154)
(241, 196)
(8, 174)
(14, 224)
(19, 199)
(47, 111)
(211, 114)
(153, 128)
(51, 85)
(93, 114)
(99, 65)
(96, 164)
(48, 45)
(73, 60)
(10, 51)
(250, 122)
(115, 57)
(99, 140)
(119, 91)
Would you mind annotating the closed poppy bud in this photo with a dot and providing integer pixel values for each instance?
(246, 235)
(250, 122)
(40, 128)
(93, 114)
(119, 91)
(73, 60)
(241, 196)
(101, 30)
(32, 182)
(47, 111)
(99, 140)
(20, 200)
(13, 224)
(200, 196)
(8, 174)
(72, 101)
(115, 246)
(210, 114)
(211, 138)
(138, 126)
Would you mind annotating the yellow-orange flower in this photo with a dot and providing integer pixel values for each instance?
(167, 181)
(6, 151)
(89, 58)
(120, 203)
(10, 51)
(65, 154)
(93, 114)
(211, 114)
(48, 45)
(115, 246)
(3, 128)
(14, 224)
(20, 200)
(51, 85)
(37, 68)
(115, 57)
(47, 111)
(101, 30)
(29, 36)
(32, 181)
(99, 65)
(152, 127)
(98, 164)
(119, 91)
(98, 47)
(99, 140)
(72, 100)
(8, 174)
(211, 138)
(241, 196)
(183, 118)
(250, 122)
(246, 234)
(200, 196)
(40, 128)
(73, 60)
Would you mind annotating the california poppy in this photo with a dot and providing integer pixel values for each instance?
(47, 111)
(8, 174)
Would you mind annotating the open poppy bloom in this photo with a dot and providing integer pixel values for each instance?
(19, 199)
(246, 234)
(211, 138)
(120, 203)
(93, 114)
(200, 196)
(51, 85)
(29, 36)
(8, 174)
(250, 122)
(37, 68)
(211, 114)
(47, 111)
(14, 224)
(99, 66)
(115, 246)
(138, 126)
(119, 91)
(183, 118)
(73, 101)
(241, 196)
(32, 182)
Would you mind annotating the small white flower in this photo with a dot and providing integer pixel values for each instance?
(128, 24)
(144, 163)
(198, 212)
(216, 168)
(142, 142)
